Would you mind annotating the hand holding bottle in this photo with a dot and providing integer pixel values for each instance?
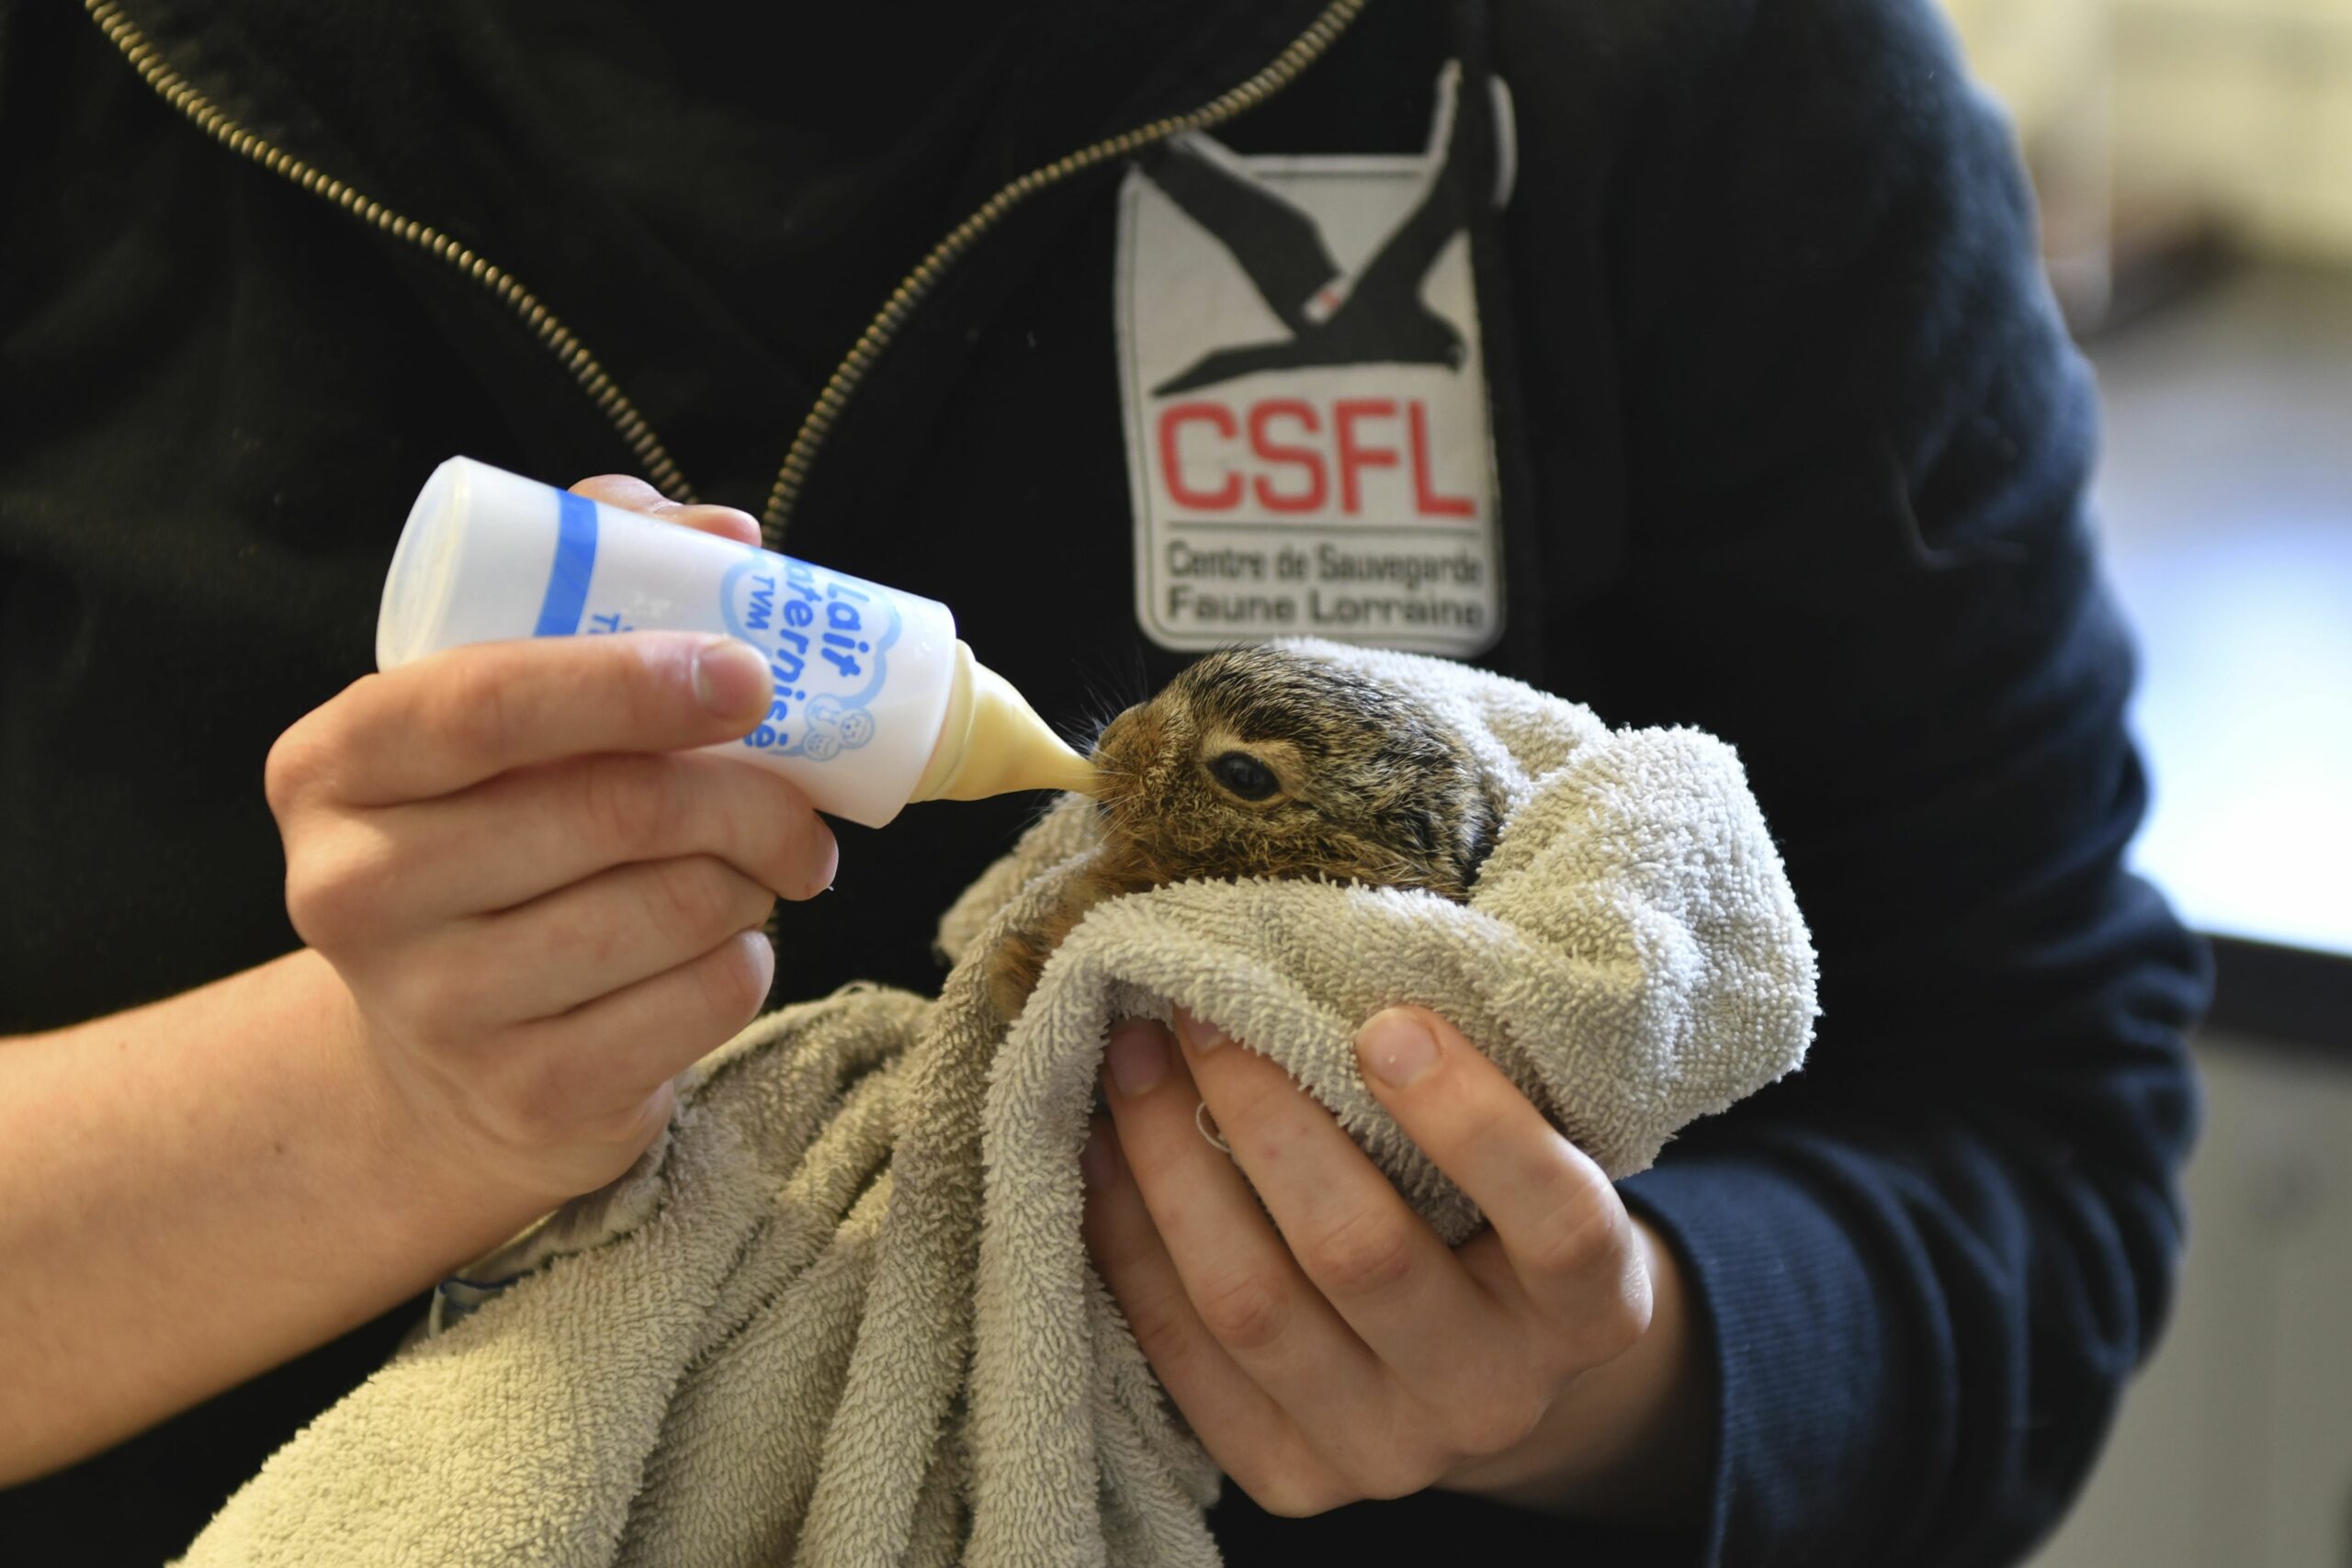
(544, 901)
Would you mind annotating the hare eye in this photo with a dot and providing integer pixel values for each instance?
(1244, 775)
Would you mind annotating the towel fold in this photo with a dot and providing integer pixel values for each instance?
(841, 1312)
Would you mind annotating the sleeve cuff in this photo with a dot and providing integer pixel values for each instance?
(1809, 1374)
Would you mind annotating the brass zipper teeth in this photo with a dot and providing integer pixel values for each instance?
(1278, 74)
(660, 467)
(175, 90)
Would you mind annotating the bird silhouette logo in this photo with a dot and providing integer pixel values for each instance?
(1372, 315)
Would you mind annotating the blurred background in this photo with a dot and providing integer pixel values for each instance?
(2194, 161)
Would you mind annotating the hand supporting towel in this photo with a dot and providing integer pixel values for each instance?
(841, 1312)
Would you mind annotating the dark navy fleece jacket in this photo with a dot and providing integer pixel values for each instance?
(1791, 447)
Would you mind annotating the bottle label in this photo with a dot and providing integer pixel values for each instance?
(827, 637)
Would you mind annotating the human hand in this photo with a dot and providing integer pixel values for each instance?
(543, 904)
(1349, 1353)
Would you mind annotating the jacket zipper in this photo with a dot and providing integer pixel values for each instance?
(1284, 69)
(1271, 78)
(560, 340)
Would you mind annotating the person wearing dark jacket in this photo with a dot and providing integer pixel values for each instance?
(1690, 361)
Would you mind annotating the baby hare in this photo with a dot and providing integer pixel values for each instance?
(1259, 761)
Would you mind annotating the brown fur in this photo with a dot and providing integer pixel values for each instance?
(1372, 788)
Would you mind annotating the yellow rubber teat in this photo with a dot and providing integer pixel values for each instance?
(993, 742)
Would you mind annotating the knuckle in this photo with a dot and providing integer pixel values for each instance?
(626, 804)
(314, 904)
(650, 681)
(296, 761)
(1367, 1253)
(303, 758)
(1482, 1123)
(1579, 1237)
(439, 1001)
(531, 1104)
(1499, 1418)
(587, 926)
(1395, 1474)
(333, 889)
(733, 982)
(698, 897)
(537, 1101)
(1287, 1492)
(476, 713)
(764, 825)
(1120, 1247)
(749, 902)
(1612, 1331)
(1257, 1098)
(1241, 1311)
(727, 806)
(1158, 1325)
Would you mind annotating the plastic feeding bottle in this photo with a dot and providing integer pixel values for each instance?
(876, 704)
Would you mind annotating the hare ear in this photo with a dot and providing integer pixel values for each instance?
(1482, 822)
(1420, 828)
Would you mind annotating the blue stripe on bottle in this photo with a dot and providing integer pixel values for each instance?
(575, 562)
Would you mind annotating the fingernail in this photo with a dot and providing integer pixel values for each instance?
(1200, 1035)
(1138, 1059)
(1098, 1162)
(1397, 1048)
(720, 522)
(732, 679)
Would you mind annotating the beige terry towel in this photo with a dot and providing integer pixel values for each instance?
(841, 1314)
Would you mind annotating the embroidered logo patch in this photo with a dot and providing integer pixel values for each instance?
(1308, 438)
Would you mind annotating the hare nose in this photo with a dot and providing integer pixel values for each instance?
(1114, 732)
